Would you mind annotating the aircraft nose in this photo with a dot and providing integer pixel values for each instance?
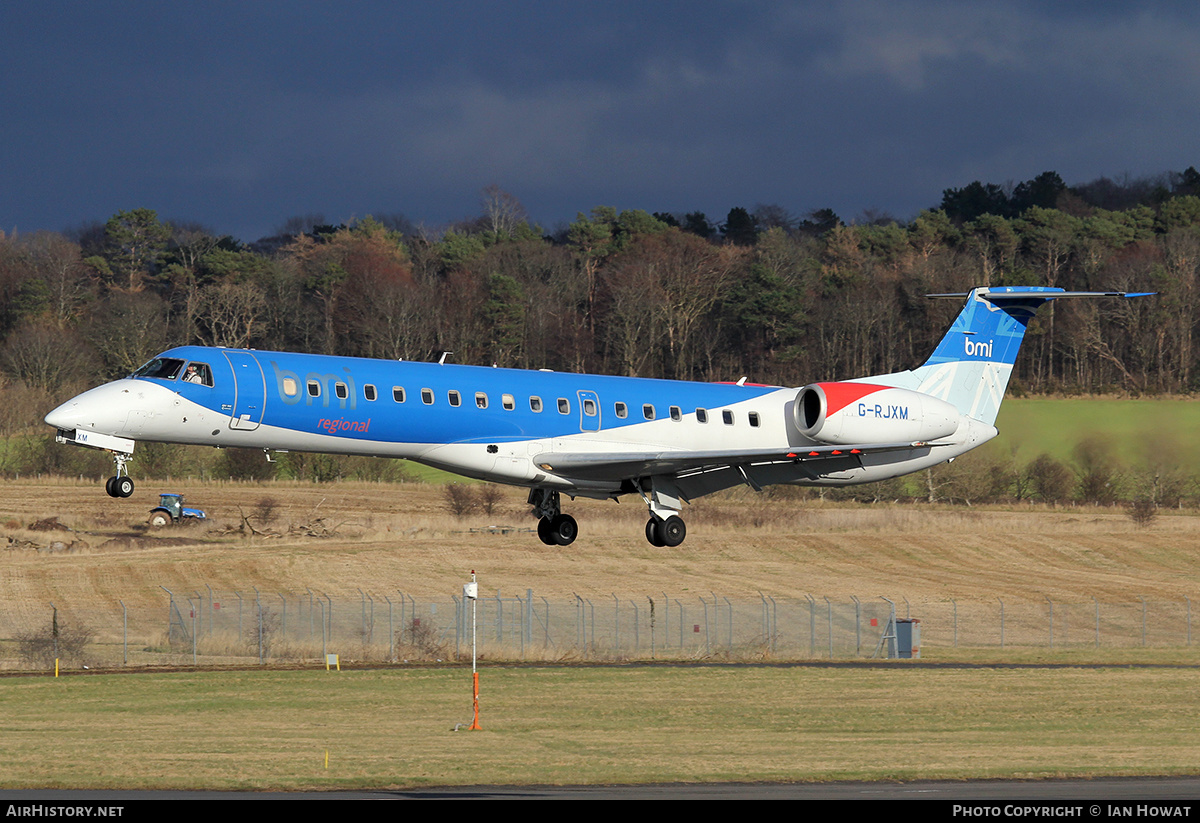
(64, 417)
(102, 409)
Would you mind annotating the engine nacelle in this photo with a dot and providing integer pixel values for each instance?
(860, 413)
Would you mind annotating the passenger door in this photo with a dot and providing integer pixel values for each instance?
(250, 386)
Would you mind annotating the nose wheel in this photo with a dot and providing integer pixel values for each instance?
(121, 484)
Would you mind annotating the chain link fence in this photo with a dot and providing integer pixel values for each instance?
(209, 627)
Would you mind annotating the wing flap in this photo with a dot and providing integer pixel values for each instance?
(634, 464)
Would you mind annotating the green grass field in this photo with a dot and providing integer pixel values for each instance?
(1141, 430)
(393, 728)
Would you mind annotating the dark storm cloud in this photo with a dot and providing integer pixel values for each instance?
(239, 116)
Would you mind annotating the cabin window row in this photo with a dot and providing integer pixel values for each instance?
(508, 403)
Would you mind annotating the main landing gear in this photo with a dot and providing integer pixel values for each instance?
(121, 484)
(554, 528)
(669, 532)
(665, 528)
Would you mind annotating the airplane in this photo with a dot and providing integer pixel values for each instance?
(580, 435)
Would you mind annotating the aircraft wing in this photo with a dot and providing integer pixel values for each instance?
(684, 463)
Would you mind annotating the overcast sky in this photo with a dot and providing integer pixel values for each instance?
(239, 115)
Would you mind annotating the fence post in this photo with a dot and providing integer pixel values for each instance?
(857, 626)
(310, 613)
(324, 646)
(812, 625)
(1051, 602)
(774, 624)
(392, 633)
(652, 626)
(636, 633)
(1001, 623)
(1143, 620)
(955, 603)
(124, 634)
(616, 624)
(666, 621)
(829, 622)
(730, 606)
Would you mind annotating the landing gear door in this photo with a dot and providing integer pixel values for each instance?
(589, 411)
(250, 390)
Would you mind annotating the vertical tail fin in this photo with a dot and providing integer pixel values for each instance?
(971, 365)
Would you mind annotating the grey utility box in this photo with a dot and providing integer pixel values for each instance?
(908, 638)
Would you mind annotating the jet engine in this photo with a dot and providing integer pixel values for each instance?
(844, 414)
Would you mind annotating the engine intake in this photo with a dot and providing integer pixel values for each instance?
(861, 413)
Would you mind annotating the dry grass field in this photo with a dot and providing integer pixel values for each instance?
(385, 537)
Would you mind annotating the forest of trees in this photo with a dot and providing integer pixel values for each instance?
(777, 298)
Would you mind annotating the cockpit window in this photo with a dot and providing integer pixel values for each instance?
(162, 368)
(198, 373)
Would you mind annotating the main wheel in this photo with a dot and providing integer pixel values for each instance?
(673, 531)
(654, 532)
(123, 486)
(108, 486)
(565, 529)
(546, 532)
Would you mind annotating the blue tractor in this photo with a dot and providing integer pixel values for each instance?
(170, 510)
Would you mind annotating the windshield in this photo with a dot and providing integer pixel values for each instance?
(164, 368)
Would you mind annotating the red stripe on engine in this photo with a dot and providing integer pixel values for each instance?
(840, 395)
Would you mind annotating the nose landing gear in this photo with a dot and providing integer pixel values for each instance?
(121, 484)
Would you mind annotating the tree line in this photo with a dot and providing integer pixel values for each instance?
(762, 294)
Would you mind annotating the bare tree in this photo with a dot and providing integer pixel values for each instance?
(503, 211)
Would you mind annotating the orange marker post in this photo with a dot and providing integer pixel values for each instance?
(471, 592)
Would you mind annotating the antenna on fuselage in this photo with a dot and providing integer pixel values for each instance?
(442, 359)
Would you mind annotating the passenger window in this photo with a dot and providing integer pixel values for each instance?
(369, 392)
(622, 410)
(589, 407)
(676, 413)
(535, 404)
(564, 405)
(341, 391)
(508, 402)
(427, 396)
(289, 387)
(314, 388)
(648, 411)
(455, 397)
(727, 416)
(481, 400)
(753, 416)
(398, 394)
(702, 415)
